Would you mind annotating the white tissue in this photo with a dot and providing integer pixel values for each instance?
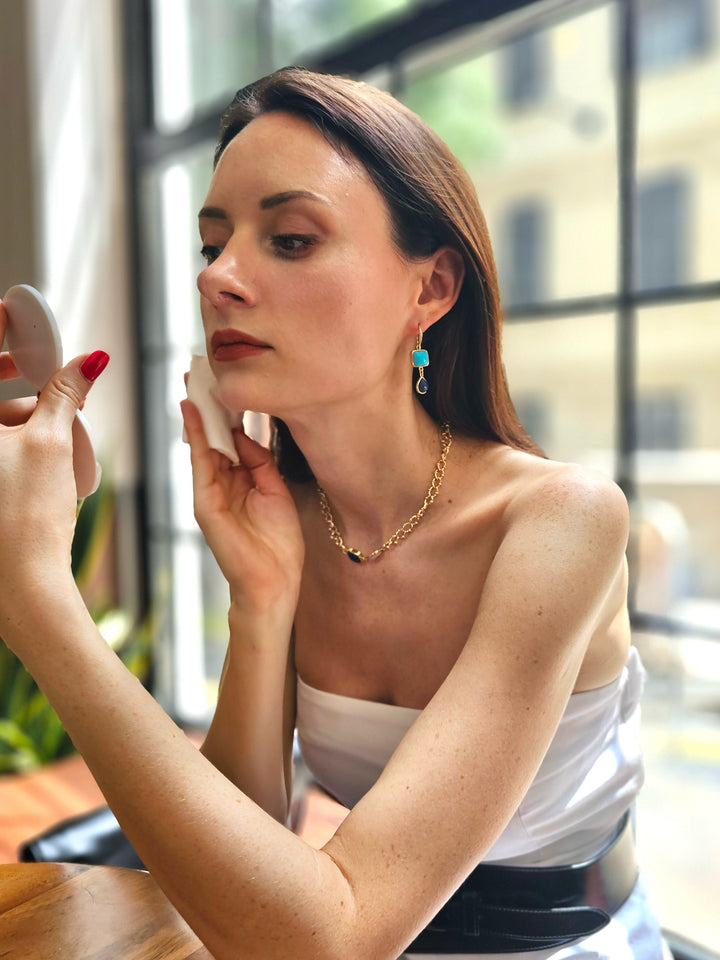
(217, 420)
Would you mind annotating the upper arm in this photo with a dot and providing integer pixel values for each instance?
(460, 772)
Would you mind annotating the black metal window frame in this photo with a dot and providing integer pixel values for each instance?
(384, 45)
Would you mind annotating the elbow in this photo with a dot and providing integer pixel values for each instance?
(325, 937)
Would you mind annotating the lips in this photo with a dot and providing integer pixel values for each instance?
(234, 344)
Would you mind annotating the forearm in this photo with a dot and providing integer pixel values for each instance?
(245, 883)
(250, 738)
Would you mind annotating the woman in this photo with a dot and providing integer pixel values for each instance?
(438, 608)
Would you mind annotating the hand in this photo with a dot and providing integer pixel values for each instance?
(37, 485)
(8, 370)
(248, 518)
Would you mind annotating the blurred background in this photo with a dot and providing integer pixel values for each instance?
(592, 132)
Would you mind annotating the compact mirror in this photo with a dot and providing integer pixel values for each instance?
(32, 336)
(33, 340)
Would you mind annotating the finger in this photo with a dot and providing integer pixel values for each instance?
(259, 461)
(8, 370)
(65, 391)
(203, 463)
(15, 412)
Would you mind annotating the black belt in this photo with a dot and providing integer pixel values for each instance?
(504, 909)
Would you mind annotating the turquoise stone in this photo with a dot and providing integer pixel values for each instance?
(420, 358)
(421, 386)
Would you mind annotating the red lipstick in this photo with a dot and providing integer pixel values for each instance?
(229, 344)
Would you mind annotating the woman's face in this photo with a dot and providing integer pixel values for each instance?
(305, 299)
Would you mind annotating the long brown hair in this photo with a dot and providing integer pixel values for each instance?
(432, 203)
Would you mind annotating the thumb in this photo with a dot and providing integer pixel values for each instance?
(66, 390)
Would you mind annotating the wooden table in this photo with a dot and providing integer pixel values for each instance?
(61, 911)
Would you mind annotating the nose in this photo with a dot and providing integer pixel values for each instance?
(226, 279)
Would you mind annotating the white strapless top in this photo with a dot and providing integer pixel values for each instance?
(589, 776)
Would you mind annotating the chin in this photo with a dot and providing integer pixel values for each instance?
(238, 399)
(233, 396)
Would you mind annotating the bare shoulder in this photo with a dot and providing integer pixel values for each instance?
(566, 497)
(552, 485)
(526, 481)
(530, 490)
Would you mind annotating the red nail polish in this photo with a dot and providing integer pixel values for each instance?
(93, 366)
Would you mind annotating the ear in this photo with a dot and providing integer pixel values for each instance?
(442, 277)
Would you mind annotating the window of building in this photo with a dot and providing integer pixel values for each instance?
(671, 31)
(523, 252)
(525, 71)
(662, 421)
(663, 231)
(532, 410)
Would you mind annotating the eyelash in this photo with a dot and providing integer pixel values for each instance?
(302, 241)
(279, 241)
(209, 253)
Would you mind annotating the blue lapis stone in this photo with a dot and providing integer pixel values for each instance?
(421, 386)
(420, 358)
(354, 556)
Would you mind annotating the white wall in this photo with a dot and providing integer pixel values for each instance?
(62, 194)
(63, 214)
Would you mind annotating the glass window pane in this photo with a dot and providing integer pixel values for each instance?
(562, 380)
(676, 522)
(203, 50)
(183, 573)
(303, 26)
(678, 465)
(678, 829)
(534, 123)
(172, 195)
(679, 107)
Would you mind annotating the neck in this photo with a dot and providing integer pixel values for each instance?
(375, 469)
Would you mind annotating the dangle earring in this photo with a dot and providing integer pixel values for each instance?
(420, 360)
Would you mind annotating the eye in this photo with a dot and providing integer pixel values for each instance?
(291, 245)
(210, 253)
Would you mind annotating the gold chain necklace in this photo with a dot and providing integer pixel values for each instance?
(357, 556)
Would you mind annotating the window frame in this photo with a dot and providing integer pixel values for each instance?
(382, 47)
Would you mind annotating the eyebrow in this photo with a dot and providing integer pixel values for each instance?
(286, 195)
(267, 203)
(212, 213)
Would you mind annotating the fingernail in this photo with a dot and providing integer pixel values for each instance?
(93, 366)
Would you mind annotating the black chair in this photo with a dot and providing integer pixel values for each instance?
(94, 838)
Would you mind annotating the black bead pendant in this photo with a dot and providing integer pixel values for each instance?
(355, 556)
